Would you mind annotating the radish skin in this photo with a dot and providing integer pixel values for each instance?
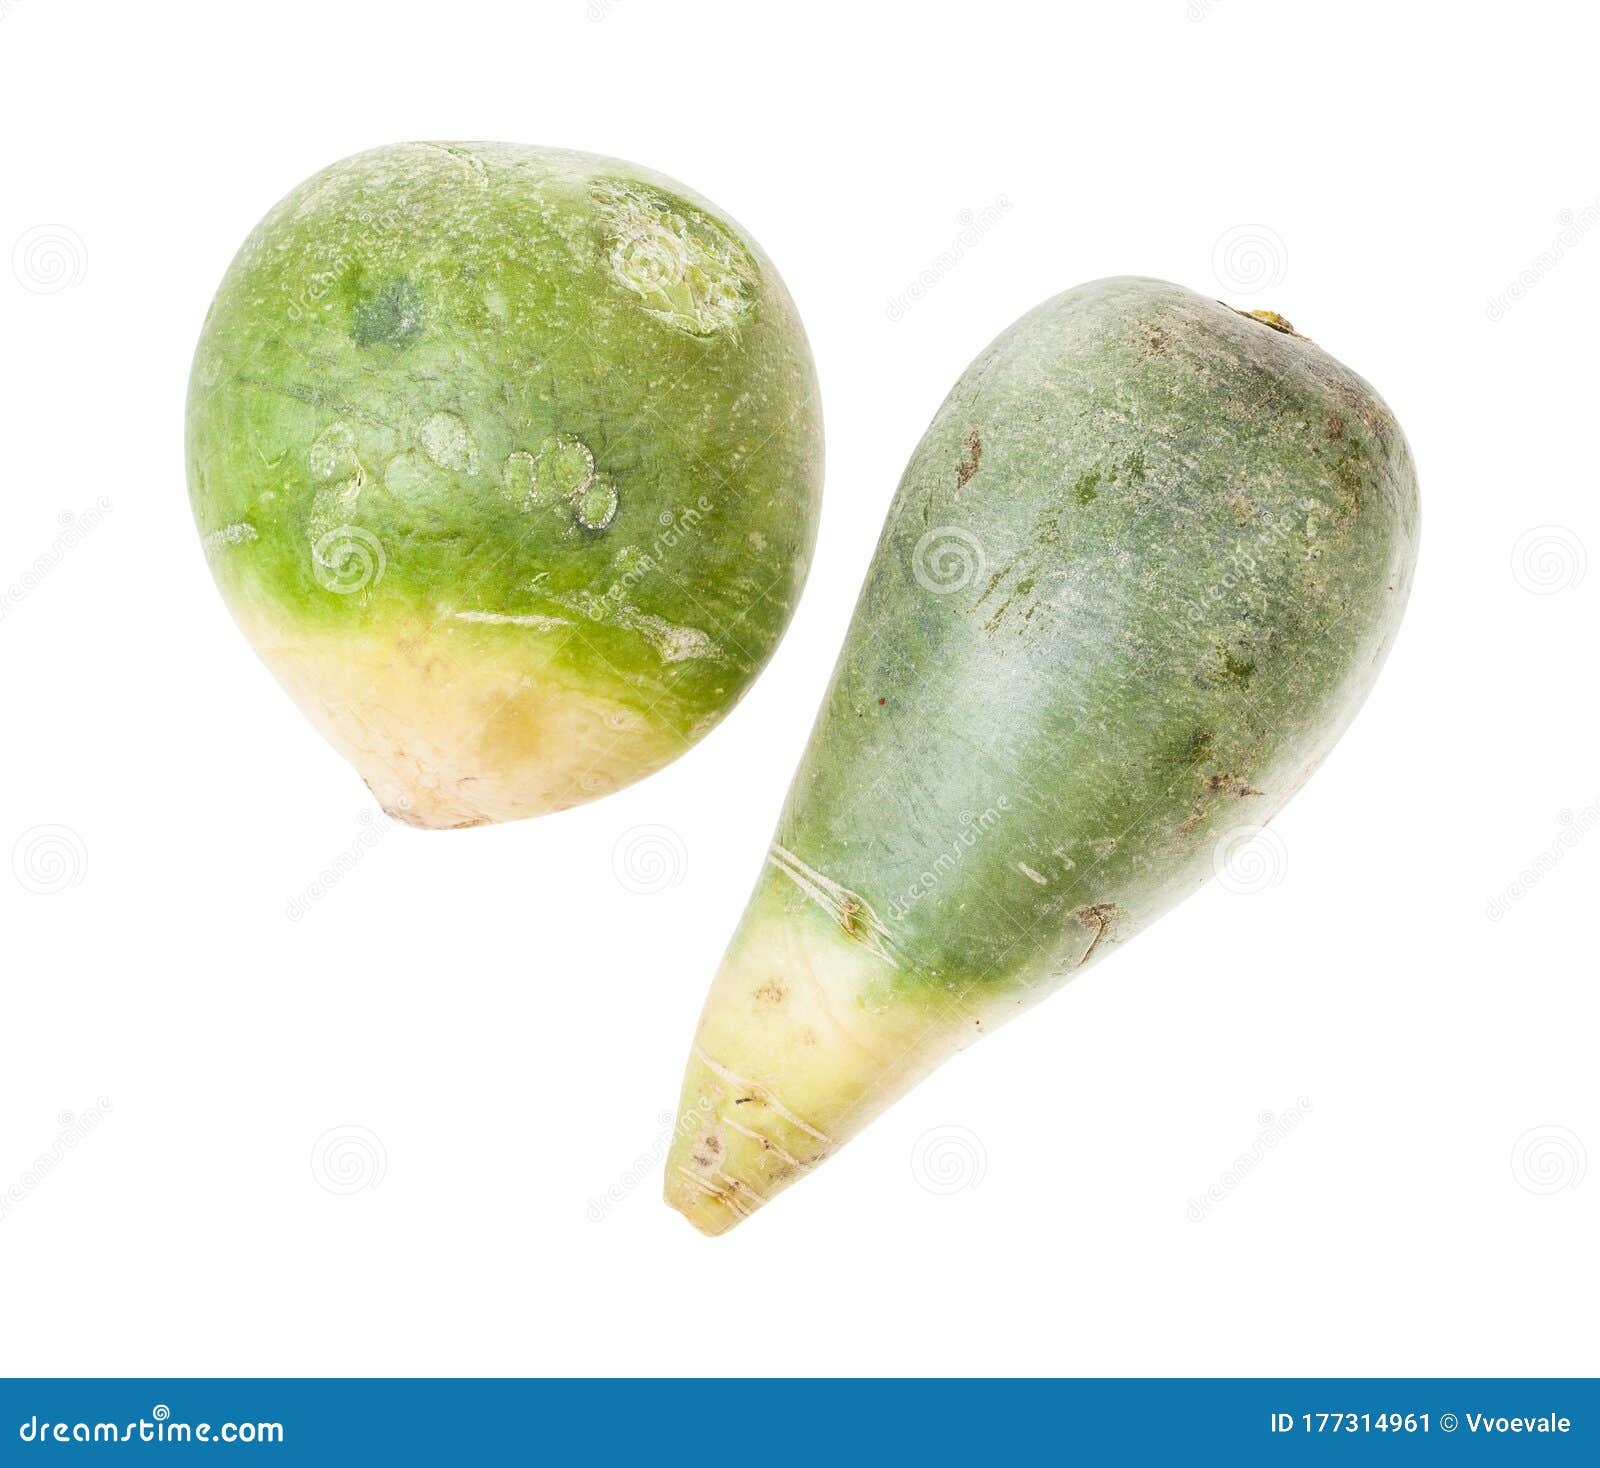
(1138, 577)
(507, 461)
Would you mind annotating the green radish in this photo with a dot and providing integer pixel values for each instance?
(508, 463)
(1139, 575)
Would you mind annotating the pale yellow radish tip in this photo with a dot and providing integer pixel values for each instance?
(802, 1042)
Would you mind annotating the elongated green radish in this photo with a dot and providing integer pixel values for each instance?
(1139, 575)
(507, 460)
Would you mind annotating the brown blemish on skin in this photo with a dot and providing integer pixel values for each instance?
(994, 621)
(994, 581)
(851, 917)
(772, 992)
(1099, 916)
(1156, 344)
(712, 1144)
(1349, 491)
(1026, 563)
(971, 460)
(1335, 429)
(1374, 415)
(1224, 785)
(1230, 784)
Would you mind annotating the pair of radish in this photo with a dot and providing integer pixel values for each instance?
(508, 463)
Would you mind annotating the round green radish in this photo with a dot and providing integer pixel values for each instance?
(1138, 577)
(508, 462)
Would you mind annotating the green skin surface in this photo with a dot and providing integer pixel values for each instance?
(1138, 577)
(1189, 538)
(404, 352)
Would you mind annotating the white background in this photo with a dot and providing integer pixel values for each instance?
(492, 1022)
